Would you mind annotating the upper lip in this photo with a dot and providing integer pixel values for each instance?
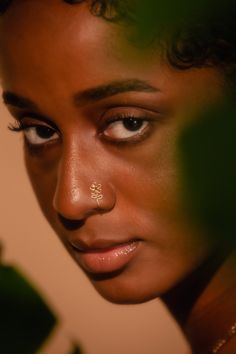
(98, 244)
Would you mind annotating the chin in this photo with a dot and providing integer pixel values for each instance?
(117, 290)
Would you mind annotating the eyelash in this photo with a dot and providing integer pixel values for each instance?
(17, 127)
(20, 126)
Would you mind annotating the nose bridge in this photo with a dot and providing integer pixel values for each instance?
(77, 173)
(68, 178)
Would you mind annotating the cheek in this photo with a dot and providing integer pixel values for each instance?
(43, 177)
(152, 196)
(152, 183)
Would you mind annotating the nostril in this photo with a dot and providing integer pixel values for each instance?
(71, 224)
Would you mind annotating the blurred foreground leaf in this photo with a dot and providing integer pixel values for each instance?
(157, 18)
(208, 165)
(26, 321)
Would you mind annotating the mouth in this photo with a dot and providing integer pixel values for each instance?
(105, 259)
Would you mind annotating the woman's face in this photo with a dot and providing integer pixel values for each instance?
(98, 110)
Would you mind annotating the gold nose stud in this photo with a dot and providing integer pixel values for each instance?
(96, 192)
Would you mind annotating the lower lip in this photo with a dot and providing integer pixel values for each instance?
(107, 260)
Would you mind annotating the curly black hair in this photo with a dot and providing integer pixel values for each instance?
(210, 41)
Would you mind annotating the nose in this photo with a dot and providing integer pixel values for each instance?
(83, 187)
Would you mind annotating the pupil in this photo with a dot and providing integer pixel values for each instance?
(44, 132)
(132, 124)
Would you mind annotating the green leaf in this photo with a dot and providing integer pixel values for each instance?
(208, 168)
(26, 321)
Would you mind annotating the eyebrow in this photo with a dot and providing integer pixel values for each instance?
(112, 89)
(10, 98)
(90, 95)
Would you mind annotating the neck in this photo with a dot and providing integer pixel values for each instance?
(205, 299)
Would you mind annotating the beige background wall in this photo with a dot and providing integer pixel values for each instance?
(101, 328)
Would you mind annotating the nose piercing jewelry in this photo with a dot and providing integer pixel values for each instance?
(96, 192)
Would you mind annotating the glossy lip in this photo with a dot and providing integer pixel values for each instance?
(104, 256)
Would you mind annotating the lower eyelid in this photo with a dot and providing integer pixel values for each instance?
(137, 137)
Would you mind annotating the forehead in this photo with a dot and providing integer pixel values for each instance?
(52, 34)
(51, 48)
(48, 43)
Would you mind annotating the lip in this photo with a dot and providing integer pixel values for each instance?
(105, 257)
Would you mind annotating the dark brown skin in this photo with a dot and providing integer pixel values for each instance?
(50, 52)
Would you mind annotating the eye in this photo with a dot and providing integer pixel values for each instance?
(35, 134)
(40, 134)
(127, 128)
